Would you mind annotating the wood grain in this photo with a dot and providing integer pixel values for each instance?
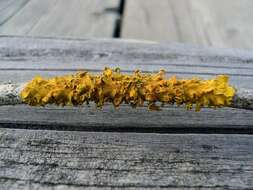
(85, 160)
(23, 58)
(8, 8)
(89, 18)
(85, 148)
(219, 23)
(88, 118)
(50, 57)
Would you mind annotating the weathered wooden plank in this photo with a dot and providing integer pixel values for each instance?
(49, 57)
(88, 118)
(8, 8)
(90, 18)
(17, 76)
(23, 58)
(91, 160)
(5, 3)
(84, 160)
(219, 23)
(155, 21)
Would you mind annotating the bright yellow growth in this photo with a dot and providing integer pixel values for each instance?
(113, 86)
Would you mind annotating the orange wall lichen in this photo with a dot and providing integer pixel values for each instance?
(113, 86)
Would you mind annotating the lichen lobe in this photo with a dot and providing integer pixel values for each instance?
(135, 89)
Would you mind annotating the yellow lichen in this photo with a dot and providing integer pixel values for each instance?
(115, 87)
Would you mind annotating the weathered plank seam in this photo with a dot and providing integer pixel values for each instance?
(168, 129)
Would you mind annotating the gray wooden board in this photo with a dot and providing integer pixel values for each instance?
(8, 8)
(125, 119)
(219, 23)
(85, 160)
(89, 18)
(23, 58)
(26, 75)
(49, 159)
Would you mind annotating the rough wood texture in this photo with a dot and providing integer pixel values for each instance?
(79, 160)
(219, 23)
(170, 120)
(48, 159)
(89, 18)
(23, 58)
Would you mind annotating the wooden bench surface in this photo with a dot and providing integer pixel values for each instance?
(83, 148)
(218, 23)
(89, 18)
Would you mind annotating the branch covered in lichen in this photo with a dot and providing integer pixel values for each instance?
(115, 87)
